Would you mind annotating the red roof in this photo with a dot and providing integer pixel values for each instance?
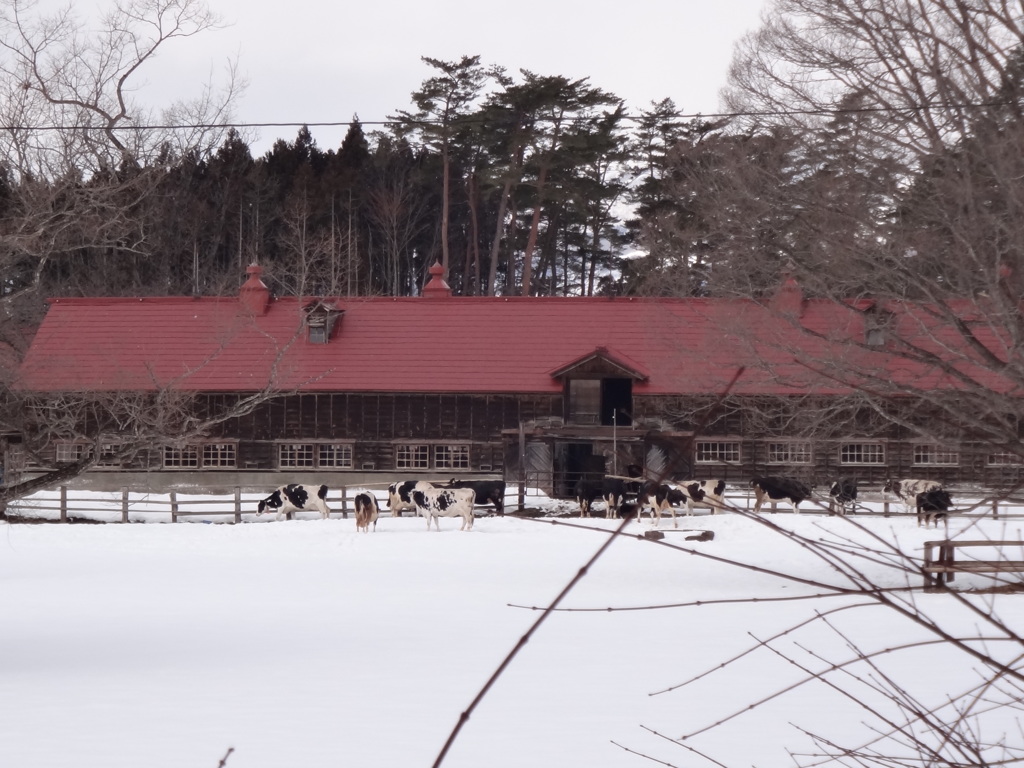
(444, 344)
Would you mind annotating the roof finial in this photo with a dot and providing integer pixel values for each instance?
(436, 287)
(254, 295)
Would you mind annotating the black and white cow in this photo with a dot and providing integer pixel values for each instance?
(707, 494)
(296, 498)
(844, 492)
(776, 487)
(400, 496)
(660, 497)
(367, 512)
(610, 489)
(693, 493)
(487, 491)
(907, 490)
(433, 503)
(932, 506)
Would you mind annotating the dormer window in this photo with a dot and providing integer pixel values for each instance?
(321, 317)
(876, 322)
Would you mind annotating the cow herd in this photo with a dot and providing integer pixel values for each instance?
(633, 497)
(622, 497)
(456, 498)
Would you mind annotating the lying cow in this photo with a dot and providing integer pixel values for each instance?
(844, 492)
(932, 506)
(778, 487)
(907, 490)
(400, 496)
(367, 512)
(433, 503)
(487, 491)
(296, 498)
(611, 490)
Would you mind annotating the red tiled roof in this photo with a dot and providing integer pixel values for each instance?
(461, 344)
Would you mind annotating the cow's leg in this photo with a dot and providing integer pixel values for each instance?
(675, 523)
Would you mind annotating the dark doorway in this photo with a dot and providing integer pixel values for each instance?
(575, 462)
(616, 402)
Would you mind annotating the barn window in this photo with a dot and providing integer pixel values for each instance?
(584, 401)
(1004, 459)
(201, 455)
(68, 453)
(314, 455)
(790, 452)
(336, 455)
(412, 457)
(219, 455)
(862, 453)
(71, 452)
(451, 456)
(718, 452)
(181, 456)
(928, 454)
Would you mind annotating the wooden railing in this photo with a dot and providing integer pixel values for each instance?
(66, 505)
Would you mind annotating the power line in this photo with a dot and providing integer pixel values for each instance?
(680, 116)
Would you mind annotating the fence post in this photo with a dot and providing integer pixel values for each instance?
(995, 508)
(238, 505)
(885, 509)
(124, 503)
(63, 503)
(344, 501)
(174, 507)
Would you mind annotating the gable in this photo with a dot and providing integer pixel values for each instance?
(600, 364)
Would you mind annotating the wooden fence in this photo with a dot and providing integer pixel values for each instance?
(65, 505)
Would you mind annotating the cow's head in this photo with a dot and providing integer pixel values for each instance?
(273, 501)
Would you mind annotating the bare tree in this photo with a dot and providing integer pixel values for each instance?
(79, 159)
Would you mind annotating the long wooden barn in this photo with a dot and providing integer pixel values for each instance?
(540, 390)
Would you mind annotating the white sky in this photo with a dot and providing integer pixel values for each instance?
(315, 61)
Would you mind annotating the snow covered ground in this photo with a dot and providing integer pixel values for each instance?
(304, 643)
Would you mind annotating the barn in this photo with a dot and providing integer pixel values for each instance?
(540, 390)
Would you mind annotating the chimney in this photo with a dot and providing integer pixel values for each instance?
(436, 287)
(254, 295)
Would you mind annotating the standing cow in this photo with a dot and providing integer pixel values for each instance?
(907, 490)
(844, 492)
(777, 487)
(296, 498)
(433, 503)
(400, 496)
(367, 512)
(487, 491)
(932, 505)
(611, 489)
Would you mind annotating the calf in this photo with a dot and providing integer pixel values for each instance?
(367, 512)
(487, 491)
(610, 489)
(932, 506)
(292, 498)
(907, 490)
(433, 503)
(400, 496)
(844, 492)
(777, 487)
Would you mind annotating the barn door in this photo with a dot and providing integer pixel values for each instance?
(538, 465)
